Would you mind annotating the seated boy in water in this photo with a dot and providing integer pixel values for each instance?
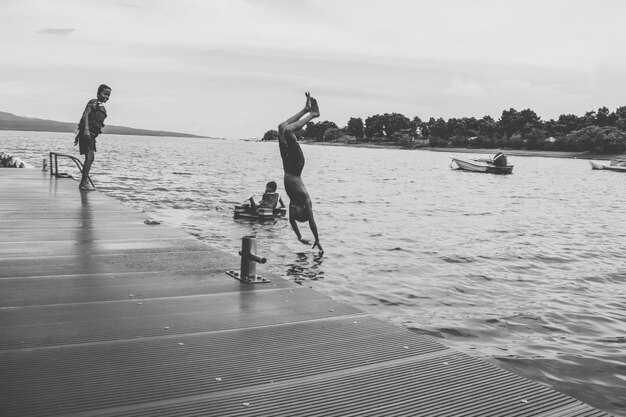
(270, 198)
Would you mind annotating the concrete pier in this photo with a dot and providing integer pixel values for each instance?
(102, 314)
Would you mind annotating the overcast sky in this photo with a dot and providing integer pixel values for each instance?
(236, 68)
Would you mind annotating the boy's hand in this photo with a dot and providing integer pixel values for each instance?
(87, 134)
(317, 244)
(306, 242)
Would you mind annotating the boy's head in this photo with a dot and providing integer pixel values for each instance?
(104, 92)
(298, 212)
(271, 186)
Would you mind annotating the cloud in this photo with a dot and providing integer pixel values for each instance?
(195, 65)
(57, 32)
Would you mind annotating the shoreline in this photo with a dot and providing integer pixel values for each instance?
(508, 152)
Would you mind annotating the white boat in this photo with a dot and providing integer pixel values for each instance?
(480, 165)
(10, 161)
(614, 165)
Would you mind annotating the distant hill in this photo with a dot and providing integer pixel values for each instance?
(10, 121)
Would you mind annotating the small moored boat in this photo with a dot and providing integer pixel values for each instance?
(496, 165)
(10, 161)
(614, 165)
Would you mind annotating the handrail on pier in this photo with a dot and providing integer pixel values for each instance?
(54, 167)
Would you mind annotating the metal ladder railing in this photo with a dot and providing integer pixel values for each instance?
(54, 167)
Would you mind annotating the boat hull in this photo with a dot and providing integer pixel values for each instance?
(479, 166)
(600, 165)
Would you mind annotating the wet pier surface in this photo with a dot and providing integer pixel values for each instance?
(102, 314)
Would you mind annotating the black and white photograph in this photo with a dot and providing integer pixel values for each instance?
(312, 208)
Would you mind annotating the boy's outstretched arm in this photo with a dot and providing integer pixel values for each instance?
(317, 239)
(313, 227)
(294, 226)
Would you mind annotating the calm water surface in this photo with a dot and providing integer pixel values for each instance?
(525, 270)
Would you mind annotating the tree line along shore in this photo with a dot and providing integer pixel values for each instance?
(596, 133)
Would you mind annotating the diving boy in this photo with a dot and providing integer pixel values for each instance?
(300, 205)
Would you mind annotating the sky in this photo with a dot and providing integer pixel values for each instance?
(237, 68)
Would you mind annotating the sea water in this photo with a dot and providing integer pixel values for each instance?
(525, 270)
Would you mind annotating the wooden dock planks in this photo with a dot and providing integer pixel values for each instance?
(103, 315)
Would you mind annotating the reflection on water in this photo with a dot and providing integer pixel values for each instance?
(306, 267)
(525, 270)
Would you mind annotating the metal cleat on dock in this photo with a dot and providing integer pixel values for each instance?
(249, 259)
